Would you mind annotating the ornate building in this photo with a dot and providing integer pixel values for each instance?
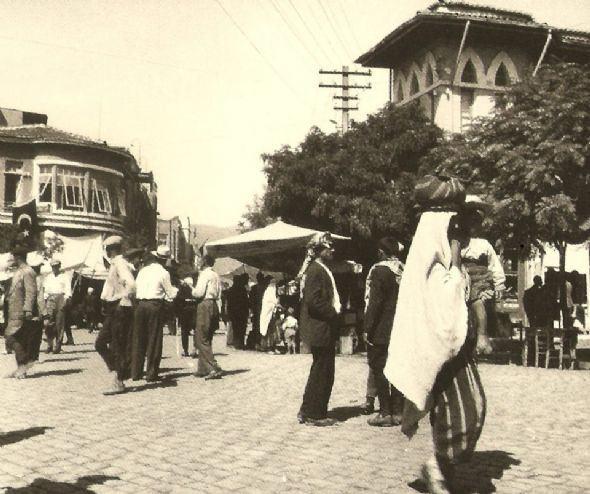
(455, 58)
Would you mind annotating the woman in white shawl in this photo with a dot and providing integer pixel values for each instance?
(430, 352)
(270, 302)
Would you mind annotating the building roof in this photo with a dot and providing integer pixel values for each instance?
(43, 134)
(460, 12)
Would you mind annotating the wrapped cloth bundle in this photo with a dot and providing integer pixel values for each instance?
(439, 193)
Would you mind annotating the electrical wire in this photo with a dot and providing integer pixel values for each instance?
(318, 44)
(294, 33)
(335, 30)
(322, 29)
(101, 53)
(266, 60)
(348, 23)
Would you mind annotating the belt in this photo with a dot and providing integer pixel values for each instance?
(150, 299)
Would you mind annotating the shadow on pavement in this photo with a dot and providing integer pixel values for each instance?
(45, 485)
(165, 382)
(69, 359)
(342, 414)
(233, 372)
(477, 475)
(89, 350)
(17, 436)
(485, 466)
(60, 372)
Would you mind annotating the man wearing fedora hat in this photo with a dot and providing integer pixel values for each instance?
(57, 292)
(22, 299)
(154, 289)
(114, 339)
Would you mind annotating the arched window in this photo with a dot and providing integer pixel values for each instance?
(414, 85)
(469, 74)
(429, 76)
(502, 77)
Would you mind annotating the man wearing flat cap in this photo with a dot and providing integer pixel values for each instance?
(154, 289)
(319, 329)
(114, 339)
(380, 299)
(22, 299)
(57, 291)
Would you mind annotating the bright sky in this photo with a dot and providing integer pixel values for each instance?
(196, 98)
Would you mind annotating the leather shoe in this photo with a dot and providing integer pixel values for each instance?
(382, 421)
(368, 407)
(327, 422)
(216, 374)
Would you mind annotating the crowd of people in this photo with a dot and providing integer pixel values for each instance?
(424, 320)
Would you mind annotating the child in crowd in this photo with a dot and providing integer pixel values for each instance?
(290, 328)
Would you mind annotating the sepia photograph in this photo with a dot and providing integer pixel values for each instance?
(295, 246)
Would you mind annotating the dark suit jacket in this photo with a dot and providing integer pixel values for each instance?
(381, 306)
(318, 319)
(22, 297)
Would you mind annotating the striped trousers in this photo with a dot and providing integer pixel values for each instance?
(458, 415)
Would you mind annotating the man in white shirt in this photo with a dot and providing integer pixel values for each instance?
(57, 291)
(153, 290)
(207, 292)
(114, 339)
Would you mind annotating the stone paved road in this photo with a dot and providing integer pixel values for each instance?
(59, 434)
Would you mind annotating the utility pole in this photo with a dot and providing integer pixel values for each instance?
(345, 96)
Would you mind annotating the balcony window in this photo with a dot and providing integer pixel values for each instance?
(45, 183)
(101, 198)
(13, 172)
(70, 189)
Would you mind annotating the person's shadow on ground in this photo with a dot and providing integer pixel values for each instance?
(45, 485)
(484, 467)
(342, 414)
(60, 372)
(12, 437)
(234, 372)
(476, 476)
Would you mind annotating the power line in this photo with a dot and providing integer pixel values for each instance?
(101, 53)
(294, 33)
(316, 18)
(335, 30)
(343, 10)
(318, 44)
(266, 60)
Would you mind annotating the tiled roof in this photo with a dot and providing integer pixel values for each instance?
(37, 134)
(467, 11)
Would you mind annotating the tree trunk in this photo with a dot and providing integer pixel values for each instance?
(561, 247)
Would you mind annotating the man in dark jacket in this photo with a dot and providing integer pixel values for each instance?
(319, 327)
(381, 294)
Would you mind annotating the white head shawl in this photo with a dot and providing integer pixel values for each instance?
(430, 323)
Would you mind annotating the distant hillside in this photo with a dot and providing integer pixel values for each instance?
(206, 233)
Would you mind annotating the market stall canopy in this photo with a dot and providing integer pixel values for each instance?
(83, 254)
(276, 247)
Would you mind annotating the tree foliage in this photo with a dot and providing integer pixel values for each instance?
(358, 184)
(532, 160)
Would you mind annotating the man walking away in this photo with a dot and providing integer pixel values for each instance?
(22, 299)
(57, 291)
(154, 289)
(114, 339)
(319, 326)
(381, 294)
(537, 304)
(187, 309)
(207, 292)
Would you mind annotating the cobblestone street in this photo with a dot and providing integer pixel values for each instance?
(58, 433)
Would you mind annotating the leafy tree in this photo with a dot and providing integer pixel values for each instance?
(358, 184)
(532, 160)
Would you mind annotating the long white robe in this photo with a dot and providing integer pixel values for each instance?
(430, 323)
